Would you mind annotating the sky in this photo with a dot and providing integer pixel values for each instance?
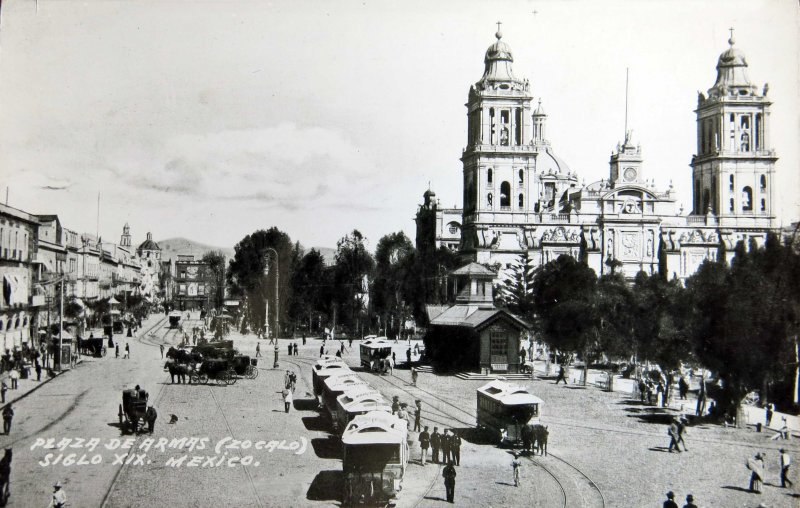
(211, 119)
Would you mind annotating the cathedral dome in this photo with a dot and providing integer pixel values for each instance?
(549, 163)
(498, 71)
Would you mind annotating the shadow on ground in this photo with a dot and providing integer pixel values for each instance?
(316, 423)
(306, 404)
(326, 486)
(327, 447)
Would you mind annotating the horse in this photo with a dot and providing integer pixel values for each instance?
(176, 369)
(5, 477)
(540, 434)
(528, 437)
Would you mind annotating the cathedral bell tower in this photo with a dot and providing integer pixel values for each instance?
(499, 158)
(733, 171)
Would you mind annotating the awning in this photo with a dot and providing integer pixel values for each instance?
(113, 301)
(10, 285)
(114, 312)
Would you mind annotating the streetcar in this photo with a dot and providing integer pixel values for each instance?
(335, 386)
(373, 349)
(505, 409)
(324, 369)
(374, 459)
(357, 401)
(174, 319)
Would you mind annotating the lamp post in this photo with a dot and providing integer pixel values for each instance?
(277, 305)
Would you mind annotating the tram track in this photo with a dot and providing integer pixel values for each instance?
(158, 398)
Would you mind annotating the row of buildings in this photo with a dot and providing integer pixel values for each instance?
(39, 256)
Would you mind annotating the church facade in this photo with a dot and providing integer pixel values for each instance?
(518, 195)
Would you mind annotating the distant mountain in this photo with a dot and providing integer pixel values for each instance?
(171, 247)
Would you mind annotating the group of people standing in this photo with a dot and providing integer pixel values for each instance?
(448, 443)
(758, 470)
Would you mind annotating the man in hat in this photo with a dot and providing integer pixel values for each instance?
(436, 441)
(449, 474)
(455, 448)
(690, 502)
(424, 444)
(670, 502)
(417, 415)
(8, 414)
(516, 465)
(786, 461)
(59, 499)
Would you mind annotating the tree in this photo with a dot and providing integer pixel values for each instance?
(395, 280)
(354, 266)
(564, 293)
(516, 289)
(216, 266)
(251, 273)
(746, 318)
(660, 320)
(311, 285)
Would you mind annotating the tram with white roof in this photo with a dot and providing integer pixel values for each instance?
(325, 368)
(336, 385)
(357, 401)
(374, 349)
(504, 409)
(374, 458)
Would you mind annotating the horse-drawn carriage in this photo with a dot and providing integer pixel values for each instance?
(93, 346)
(245, 366)
(133, 411)
(217, 369)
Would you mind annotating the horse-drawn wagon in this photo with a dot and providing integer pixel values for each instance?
(133, 411)
(93, 346)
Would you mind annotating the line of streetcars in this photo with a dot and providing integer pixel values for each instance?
(374, 441)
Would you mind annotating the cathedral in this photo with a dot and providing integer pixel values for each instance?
(518, 195)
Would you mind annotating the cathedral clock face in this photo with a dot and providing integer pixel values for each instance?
(629, 174)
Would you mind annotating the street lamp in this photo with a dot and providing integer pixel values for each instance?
(57, 280)
(277, 306)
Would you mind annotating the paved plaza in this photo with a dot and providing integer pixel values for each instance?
(291, 459)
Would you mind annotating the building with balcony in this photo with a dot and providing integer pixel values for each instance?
(192, 283)
(18, 273)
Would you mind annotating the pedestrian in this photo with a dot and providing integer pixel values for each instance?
(116, 351)
(394, 357)
(162, 350)
(670, 502)
(436, 442)
(14, 375)
(408, 356)
(292, 380)
(417, 415)
(341, 347)
(783, 432)
(445, 444)
(786, 461)
(350, 342)
(287, 379)
(258, 350)
(424, 444)
(3, 390)
(150, 416)
(562, 375)
(295, 349)
(449, 474)
(642, 390)
(59, 499)
(701, 398)
(8, 415)
(683, 387)
(756, 467)
(38, 370)
(768, 416)
(321, 350)
(338, 354)
(391, 365)
(289, 348)
(690, 502)
(416, 349)
(402, 413)
(672, 432)
(275, 363)
(414, 376)
(395, 404)
(127, 351)
(287, 399)
(455, 448)
(516, 466)
(304, 338)
(681, 424)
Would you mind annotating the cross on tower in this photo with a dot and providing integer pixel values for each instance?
(498, 25)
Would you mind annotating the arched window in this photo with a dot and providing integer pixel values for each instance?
(730, 183)
(763, 183)
(505, 194)
(732, 206)
(747, 199)
(763, 205)
(521, 200)
(521, 177)
(489, 175)
(489, 200)
(706, 201)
